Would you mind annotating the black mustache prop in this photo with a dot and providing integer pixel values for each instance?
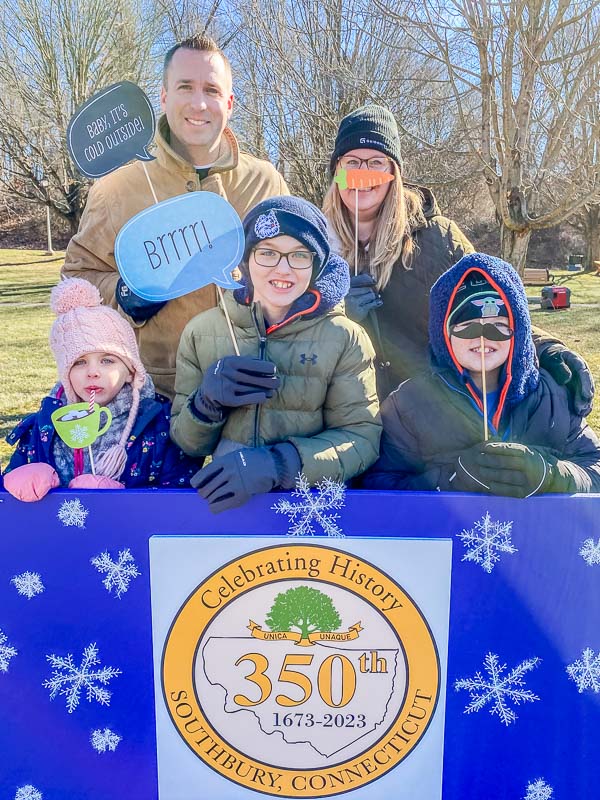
(476, 329)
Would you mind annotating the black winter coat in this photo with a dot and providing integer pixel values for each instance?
(429, 420)
(398, 329)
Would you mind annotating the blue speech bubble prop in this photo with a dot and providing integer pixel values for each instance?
(111, 128)
(179, 245)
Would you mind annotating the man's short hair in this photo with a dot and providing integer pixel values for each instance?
(201, 42)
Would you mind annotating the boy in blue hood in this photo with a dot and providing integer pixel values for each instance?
(433, 424)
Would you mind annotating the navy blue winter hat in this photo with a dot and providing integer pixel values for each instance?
(373, 127)
(288, 216)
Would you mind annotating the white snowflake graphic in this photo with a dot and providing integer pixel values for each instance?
(538, 790)
(590, 552)
(72, 513)
(105, 740)
(69, 679)
(485, 540)
(313, 508)
(118, 573)
(585, 671)
(6, 652)
(28, 584)
(496, 689)
(28, 792)
(78, 434)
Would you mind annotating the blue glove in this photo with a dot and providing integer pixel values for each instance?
(569, 369)
(229, 481)
(139, 310)
(361, 297)
(235, 381)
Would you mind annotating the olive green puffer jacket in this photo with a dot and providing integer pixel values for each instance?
(326, 405)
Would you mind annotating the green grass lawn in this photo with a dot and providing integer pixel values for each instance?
(27, 369)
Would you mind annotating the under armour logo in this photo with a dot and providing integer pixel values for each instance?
(304, 359)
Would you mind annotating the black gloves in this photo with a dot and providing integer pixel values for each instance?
(361, 297)
(503, 468)
(139, 310)
(569, 368)
(235, 381)
(230, 480)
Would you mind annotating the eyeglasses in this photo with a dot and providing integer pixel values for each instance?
(297, 259)
(376, 163)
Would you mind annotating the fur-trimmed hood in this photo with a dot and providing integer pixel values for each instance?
(520, 375)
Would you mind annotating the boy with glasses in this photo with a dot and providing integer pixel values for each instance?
(300, 396)
(484, 379)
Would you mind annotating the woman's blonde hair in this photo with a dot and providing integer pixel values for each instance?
(400, 212)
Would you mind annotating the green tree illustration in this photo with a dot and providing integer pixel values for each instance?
(303, 608)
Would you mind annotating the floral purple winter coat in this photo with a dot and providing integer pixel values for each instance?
(152, 458)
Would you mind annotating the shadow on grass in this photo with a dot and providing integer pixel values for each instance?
(562, 280)
(14, 294)
(28, 263)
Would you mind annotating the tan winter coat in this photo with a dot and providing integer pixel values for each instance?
(238, 177)
(326, 405)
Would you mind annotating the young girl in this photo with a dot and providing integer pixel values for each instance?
(96, 352)
(301, 396)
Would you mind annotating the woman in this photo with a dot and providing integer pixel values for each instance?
(404, 245)
(301, 395)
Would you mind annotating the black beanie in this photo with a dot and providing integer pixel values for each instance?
(369, 126)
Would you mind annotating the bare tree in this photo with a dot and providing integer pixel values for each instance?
(303, 64)
(521, 73)
(54, 54)
(179, 19)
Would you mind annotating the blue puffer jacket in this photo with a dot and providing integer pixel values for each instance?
(432, 418)
(152, 458)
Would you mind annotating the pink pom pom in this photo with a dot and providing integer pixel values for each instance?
(74, 293)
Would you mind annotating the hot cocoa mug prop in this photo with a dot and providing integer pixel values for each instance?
(78, 425)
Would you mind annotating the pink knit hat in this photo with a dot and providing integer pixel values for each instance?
(84, 325)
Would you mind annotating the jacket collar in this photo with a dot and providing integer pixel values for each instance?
(172, 161)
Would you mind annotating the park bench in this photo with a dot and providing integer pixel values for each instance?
(533, 276)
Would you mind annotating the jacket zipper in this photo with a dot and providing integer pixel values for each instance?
(262, 350)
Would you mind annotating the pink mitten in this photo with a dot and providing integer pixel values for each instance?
(86, 481)
(31, 482)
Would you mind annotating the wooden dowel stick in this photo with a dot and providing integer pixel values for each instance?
(486, 435)
(228, 319)
(91, 459)
(150, 183)
(356, 232)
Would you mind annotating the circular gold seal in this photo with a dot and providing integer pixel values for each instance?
(300, 670)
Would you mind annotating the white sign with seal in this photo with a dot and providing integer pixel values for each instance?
(300, 668)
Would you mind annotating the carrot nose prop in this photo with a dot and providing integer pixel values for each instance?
(361, 178)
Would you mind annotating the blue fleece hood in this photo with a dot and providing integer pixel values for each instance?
(521, 375)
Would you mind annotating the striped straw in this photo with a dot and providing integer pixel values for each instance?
(92, 401)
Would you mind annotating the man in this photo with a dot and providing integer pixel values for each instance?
(195, 151)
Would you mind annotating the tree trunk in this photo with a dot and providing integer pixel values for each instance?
(592, 237)
(514, 245)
